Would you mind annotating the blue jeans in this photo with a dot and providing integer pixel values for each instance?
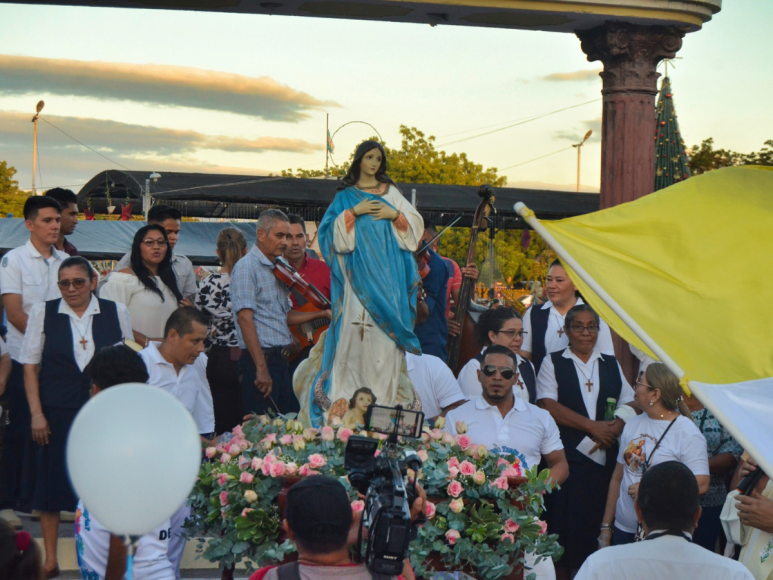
(282, 391)
(619, 537)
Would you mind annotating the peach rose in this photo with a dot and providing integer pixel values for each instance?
(245, 511)
(250, 496)
(461, 427)
(310, 434)
(210, 452)
(456, 506)
(467, 468)
(452, 536)
(327, 433)
(455, 489)
(479, 477)
(453, 472)
(299, 442)
(463, 441)
(286, 439)
(246, 477)
(237, 431)
(256, 463)
(234, 449)
(500, 482)
(317, 460)
(447, 438)
(244, 461)
(510, 526)
(436, 434)
(225, 458)
(291, 468)
(425, 438)
(423, 455)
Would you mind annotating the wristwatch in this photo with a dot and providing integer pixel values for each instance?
(606, 527)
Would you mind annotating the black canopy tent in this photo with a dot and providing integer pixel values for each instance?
(205, 195)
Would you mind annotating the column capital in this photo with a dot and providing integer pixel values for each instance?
(630, 54)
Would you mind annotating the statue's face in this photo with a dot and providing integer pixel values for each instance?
(363, 400)
(370, 162)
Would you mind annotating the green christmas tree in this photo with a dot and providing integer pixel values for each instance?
(671, 162)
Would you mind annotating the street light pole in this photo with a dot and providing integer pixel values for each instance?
(579, 149)
(146, 196)
(39, 108)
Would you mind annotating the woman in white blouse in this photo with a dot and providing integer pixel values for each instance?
(149, 286)
(61, 338)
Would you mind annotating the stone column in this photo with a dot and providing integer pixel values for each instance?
(630, 54)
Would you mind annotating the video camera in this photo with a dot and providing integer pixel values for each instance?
(381, 479)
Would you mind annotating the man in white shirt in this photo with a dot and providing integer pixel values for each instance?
(178, 365)
(668, 505)
(504, 423)
(169, 219)
(543, 324)
(434, 383)
(28, 275)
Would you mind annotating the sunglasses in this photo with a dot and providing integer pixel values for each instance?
(77, 283)
(506, 372)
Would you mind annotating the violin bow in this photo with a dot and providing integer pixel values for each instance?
(437, 235)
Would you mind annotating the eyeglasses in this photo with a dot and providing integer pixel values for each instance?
(592, 329)
(151, 243)
(506, 372)
(77, 283)
(513, 333)
(643, 384)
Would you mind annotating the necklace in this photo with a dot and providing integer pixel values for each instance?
(84, 341)
(589, 382)
(560, 322)
(372, 189)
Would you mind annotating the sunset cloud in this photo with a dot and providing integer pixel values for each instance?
(575, 137)
(578, 75)
(164, 85)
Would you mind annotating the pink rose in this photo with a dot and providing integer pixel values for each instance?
(238, 431)
(377, 453)
(504, 537)
(455, 489)
(303, 470)
(317, 460)
(452, 536)
(244, 461)
(453, 472)
(358, 505)
(456, 506)
(246, 477)
(543, 527)
(422, 455)
(453, 462)
(513, 471)
(278, 469)
(265, 469)
(448, 439)
(210, 452)
(222, 478)
(500, 482)
(268, 441)
(344, 434)
(250, 496)
(510, 526)
(327, 433)
(436, 434)
(291, 468)
(257, 462)
(467, 468)
(225, 458)
(479, 477)
(310, 434)
(245, 511)
(223, 498)
(431, 510)
(286, 439)
(220, 447)
(463, 441)
(234, 449)
(502, 461)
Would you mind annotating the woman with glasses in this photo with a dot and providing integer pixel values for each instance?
(61, 338)
(578, 386)
(665, 431)
(504, 327)
(148, 287)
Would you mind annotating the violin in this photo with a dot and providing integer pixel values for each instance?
(290, 276)
(422, 254)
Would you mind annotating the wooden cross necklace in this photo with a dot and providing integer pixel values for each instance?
(589, 382)
(84, 341)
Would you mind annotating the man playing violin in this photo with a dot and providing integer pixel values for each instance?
(310, 269)
(263, 312)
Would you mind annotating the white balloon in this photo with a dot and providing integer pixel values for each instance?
(133, 455)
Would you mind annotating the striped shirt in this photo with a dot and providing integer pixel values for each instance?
(254, 287)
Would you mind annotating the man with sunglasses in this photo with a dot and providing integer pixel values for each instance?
(508, 425)
(28, 276)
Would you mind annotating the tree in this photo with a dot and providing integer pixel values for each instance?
(706, 158)
(671, 162)
(11, 197)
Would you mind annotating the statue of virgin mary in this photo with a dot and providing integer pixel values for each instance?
(367, 237)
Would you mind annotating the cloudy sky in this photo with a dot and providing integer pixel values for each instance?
(248, 94)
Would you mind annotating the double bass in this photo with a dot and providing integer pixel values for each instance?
(463, 347)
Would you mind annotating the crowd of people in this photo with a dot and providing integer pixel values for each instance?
(629, 461)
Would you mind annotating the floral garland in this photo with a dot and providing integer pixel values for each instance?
(483, 509)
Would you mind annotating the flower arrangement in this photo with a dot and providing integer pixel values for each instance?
(483, 509)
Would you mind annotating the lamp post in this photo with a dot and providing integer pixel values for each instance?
(146, 196)
(579, 149)
(39, 108)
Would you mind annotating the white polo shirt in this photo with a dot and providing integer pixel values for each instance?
(434, 383)
(470, 385)
(527, 431)
(25, 271)
(547, 385)
(555, 341)
(190, 386)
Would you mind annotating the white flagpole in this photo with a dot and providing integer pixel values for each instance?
(695, 388)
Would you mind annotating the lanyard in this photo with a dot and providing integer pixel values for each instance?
(677, 533)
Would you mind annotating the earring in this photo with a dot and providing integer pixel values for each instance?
(652, 402)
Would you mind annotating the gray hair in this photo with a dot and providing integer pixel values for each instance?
(268, 217)
(575, 310)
